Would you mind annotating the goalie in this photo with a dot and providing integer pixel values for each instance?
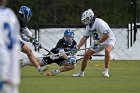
(25, 14)
(68, 61)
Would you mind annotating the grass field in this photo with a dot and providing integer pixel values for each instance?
(124, 78)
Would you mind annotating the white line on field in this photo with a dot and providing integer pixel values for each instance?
(130, 76)
(109, 68)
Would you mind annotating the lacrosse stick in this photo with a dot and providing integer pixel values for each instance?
(82, 58)
(52, 55)
(41, 47)
(57, 54)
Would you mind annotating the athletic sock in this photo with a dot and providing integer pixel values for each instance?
(38, 68)
(82, 72)
(106, 69)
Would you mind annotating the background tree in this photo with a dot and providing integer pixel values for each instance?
(69, 11)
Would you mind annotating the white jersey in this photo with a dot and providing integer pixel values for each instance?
(97, 29)
(9, 46)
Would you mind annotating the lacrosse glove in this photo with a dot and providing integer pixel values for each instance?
(71, 60)
(35, 42)
(96, 43)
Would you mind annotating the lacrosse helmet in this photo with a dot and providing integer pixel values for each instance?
(87, 17)
(68, 33)
(68, 36)
(25, 12)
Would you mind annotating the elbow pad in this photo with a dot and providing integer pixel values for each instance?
(27, 32)
(25, 38)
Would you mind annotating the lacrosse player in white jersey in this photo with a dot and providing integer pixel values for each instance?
(103, 38)
(9, 50)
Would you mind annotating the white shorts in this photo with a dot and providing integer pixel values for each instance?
(101, 47)
(98, 48)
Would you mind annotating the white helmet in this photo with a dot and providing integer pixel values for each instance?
(87, 16)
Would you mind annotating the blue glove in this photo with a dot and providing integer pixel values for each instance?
(71, 59)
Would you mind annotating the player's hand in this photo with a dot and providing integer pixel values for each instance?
(96, 43)
(75, 49)
(53, 57)
(61, 52)
(35, 42)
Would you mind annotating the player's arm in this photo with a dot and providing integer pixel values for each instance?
(103, 37)
(27, 33)
(59, 44)
(25, 38)
(59, 47)
(82, 41)
(62, 53)
(105, 32)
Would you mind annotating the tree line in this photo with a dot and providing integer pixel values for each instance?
(46, 12)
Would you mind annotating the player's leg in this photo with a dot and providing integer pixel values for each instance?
(86, 57)
(13, 75)
(28, 51)
(66, 67)
(108, 50)
(26, 62)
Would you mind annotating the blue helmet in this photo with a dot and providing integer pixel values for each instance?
(68, 33)
(26, 12)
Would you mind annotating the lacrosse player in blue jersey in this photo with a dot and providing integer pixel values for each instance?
(9, 50)
(25, 15)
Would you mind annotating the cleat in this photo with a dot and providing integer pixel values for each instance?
(54, 72)
(80, 74)
(43, 69)
(105, 74)
(22, 64)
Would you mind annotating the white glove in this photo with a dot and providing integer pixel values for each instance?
(61, 52)
(96, 43)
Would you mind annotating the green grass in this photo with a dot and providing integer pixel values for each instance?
(124, 78)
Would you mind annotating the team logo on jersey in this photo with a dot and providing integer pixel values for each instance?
(94, 34)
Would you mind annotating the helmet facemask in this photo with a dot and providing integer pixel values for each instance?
(68, 36)
(87, 17)
(86, 21)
